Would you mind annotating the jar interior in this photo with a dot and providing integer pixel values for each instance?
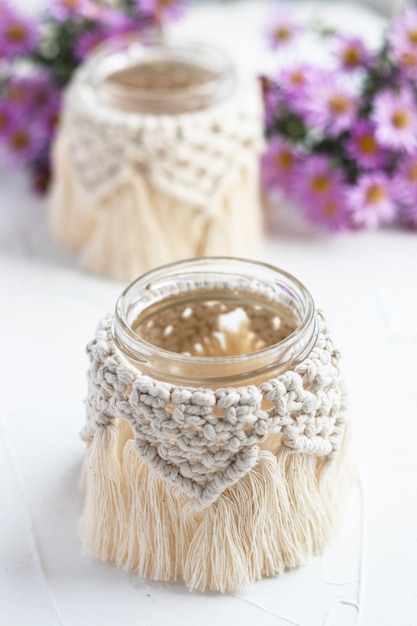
(160, 78)
(200, 323)
(168, 75)
(215, 324)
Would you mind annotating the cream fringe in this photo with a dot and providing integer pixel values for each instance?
(281, 513)
(137, 227)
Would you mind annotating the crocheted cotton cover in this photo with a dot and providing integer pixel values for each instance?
(203, 440)
(190, 156)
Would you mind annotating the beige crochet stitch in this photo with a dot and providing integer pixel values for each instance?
(135, 190)
(216, 487)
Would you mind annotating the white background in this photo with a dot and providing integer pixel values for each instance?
(367, 284)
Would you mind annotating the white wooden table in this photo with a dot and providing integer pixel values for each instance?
(367, 283)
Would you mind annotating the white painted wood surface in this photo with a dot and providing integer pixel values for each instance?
(367, 283)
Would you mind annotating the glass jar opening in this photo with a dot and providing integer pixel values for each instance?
(160, 78)
(215, 322)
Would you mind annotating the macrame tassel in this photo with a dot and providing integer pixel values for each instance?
(137, 226)
(279, 514)
(71, 221)
(103, 522)
(156, 534)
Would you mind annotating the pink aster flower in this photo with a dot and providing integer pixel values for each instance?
(371, 201)
(282, 30)
(395, 119)
(363, 147)
(24, 142)
(330, 210)
(33, 94)
(403, 43)
(409, 218)
(18, 34)
(279, 165)
(403, 30)
(321, 193)
(329, 103)
(88, 41)
(351, 53)
(66, 9)
(404, 183)
(7, 117)
(406, 60)
(294, 82)
(317, 181)
(163, 9)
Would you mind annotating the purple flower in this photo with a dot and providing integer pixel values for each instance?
(282, 30)
(317, 180)
(410, 216)
(405, 181)
(294, 81)
(406, 60)
(88, 41)
(403, 30)
(331, 211)
(24, 141)
(279, 165)
(396, 120)
(32, 94)
(363, 147)
(7, 117)
(329, 103)
(371, 201)
(352, 53)
(321, 193)
(163, 9)
(402, 40)
(68, 9)
(18, 34)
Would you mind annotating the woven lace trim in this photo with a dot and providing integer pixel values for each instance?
(190, 156)
(204, 440)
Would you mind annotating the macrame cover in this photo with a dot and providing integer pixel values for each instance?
(190, 156)
(205, 440)
(133, 191)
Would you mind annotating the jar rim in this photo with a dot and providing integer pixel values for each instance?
(126, 51)
(296, 345)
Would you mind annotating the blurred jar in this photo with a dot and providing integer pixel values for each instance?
(156, 158)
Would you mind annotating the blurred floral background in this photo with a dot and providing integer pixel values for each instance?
(341, 132)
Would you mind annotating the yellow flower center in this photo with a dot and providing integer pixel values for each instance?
(408, 58)
(375, 194)
(282, 33)
(412, 172)
(330, 209)
(339, 104)
(19, 140)
(320, 184)
(284, 160)
(297, 77)
(351, 57)
(400, 119)
(367, 144)
(15, 33)
(15, 93)
(412, 35)
(3, 121)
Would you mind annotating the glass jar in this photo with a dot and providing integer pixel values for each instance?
(157, 158)
(216, 427)
(215, 322)
(160, 78)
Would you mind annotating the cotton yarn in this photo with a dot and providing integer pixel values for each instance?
(216, 487)
(132, 191)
